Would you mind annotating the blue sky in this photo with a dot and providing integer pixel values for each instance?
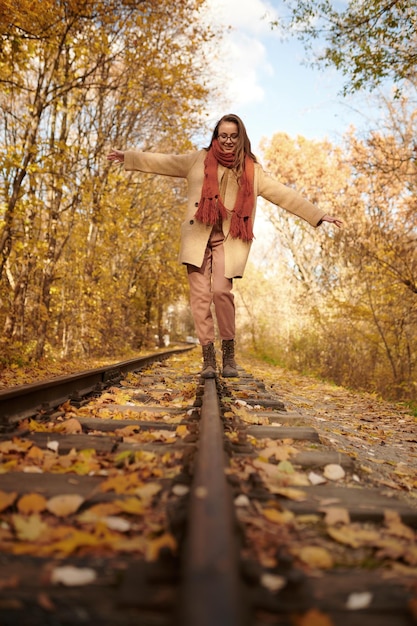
(265, 81)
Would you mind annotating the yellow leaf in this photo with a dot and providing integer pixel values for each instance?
(132, 506)
(181, 430)
(278, 517)
(290, 493)
(31, 503)
(121, 483)
(7, 499)
(315, 556)
(154, 547)
(29, 528)
(127, 431)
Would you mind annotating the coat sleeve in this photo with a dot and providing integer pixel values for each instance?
(288, 199)
(156, 163)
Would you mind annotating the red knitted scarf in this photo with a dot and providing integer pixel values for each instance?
(211, 208)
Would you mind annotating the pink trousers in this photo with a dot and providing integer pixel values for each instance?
(208, 285)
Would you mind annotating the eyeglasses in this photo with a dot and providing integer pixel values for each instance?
(233, 137)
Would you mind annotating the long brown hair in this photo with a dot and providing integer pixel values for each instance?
(243, 145)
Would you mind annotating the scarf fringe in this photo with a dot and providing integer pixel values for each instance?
(241, 228)
(210, 210)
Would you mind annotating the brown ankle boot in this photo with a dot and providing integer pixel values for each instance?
(209, 364)
(229, 364)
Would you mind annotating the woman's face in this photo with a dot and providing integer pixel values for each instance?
(228, 136)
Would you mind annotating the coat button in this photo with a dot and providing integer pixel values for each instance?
(191, 221)
(196, 204)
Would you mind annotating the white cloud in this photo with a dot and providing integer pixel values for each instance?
(241, 57)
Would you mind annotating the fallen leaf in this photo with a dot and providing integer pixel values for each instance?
(316, 479)
(291, 494)
(31, 503)
(336, 515)
(127, 431)
(332, 471)
(182, 490)
(45, 602)
(35, 454)
(354, 537)
(154, 546)
(278, 517)
(241, 500)
(71, 426)
(29, 528)
(396, 527)
(64, 505)
(359, 600)
(315, 556)
(71, 576)
(182, 431)
(117, 523)
(7, 499)
(272, 582)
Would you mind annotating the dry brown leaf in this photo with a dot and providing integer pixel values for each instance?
(35, 454)
(71, 427)
(64, 505)
(336, 515)
(354, 537)
(45, 602)
(16, 445)
(396, 527)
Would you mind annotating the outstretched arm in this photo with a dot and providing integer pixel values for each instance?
(116, 155)
(332, 220)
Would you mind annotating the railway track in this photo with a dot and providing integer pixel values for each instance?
(152, 497)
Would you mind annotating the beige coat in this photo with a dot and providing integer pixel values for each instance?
(194, 234)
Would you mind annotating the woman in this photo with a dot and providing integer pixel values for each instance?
(224, 181)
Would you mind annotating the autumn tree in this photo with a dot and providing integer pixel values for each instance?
(369, 42)
(77, 78)
(350, 298)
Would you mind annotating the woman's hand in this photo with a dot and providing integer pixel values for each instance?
(332, 220)
(116, 155)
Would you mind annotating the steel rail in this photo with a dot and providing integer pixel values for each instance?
(211, 593)
(28, 400)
